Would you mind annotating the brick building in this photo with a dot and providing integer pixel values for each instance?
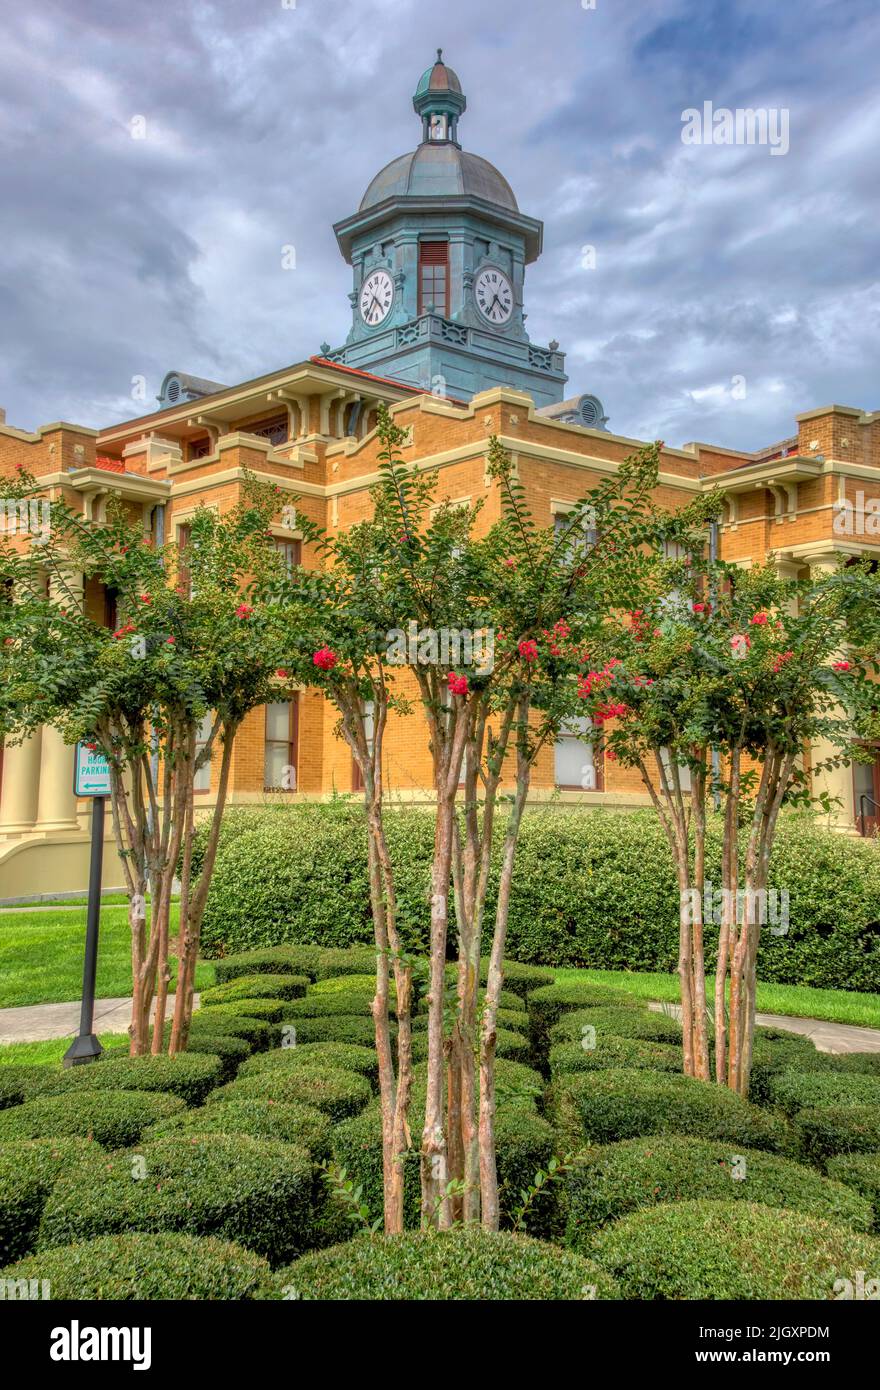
(438, 250)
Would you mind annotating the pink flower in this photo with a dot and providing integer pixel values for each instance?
(458, 685)
(244, 610)
(562, 629)
(781, 660)
(325, 659)
(282, 673)
(145, 598)
(739, 644)
(841, 666)
(758, 619)
(169, 641)
(528, 649)
(701, 607)
(511, 562)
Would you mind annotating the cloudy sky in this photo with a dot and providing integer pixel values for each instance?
(702, 291)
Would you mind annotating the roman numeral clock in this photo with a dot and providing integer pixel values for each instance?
(438, 250)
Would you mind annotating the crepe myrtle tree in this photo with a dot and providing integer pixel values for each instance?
(754, 668)
(519, 585)
(331, 627)
(159, 695)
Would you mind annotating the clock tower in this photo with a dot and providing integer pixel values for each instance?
(438, 250)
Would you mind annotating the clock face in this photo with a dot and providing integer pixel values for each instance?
(377, 295)
(494, 295)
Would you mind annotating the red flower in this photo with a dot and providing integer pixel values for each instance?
(528, 649)
(841, 666)
(511, 562)
(282, 673)
(244, 610)
(325, 659)
(170, 640)
(758, 619)
(458, 685)
(699, 607)
(145, 598)
(562, 629)
(781, 660)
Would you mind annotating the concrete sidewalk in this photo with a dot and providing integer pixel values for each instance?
(827, 1037)
(38, 1022)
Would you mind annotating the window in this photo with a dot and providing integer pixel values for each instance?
(202, 781)
(282, 728)
(357, 781)
(275, 429)
(111, 607)
(585, 534)
(199, 448)
(290, 552)
(433, 277)
(578, 767)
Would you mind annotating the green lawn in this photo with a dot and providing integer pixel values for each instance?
(41, 956)
(48, 1053)
(831, 1005)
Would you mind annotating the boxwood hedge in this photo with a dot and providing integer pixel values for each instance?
(601, 1107)
(19, 1083)
(338, 1093)
(267, 1008)
(508, 1044)
(227, 1018)
(259, 986)
(731, 1250)
(155, 1267)
(28, 1171)
(274, 960)
(467, 1265)
(609, 1182)
(620, 1021)
(862, 1173)
(614, 1052)
(346, 1028)
(347, 1002)
(834, 1129)
(520, 979)
(339, 1056)
(188, 1075)
(793, 1090)
(227, 1185)
(299, 875)
(114, 1119)
(290, 1123)
(231, 1050)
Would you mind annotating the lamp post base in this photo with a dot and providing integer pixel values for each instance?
(85, 1048)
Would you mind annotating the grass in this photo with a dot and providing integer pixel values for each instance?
(802, 1001)
(41, 956)
(106, 899)
(47, 1053)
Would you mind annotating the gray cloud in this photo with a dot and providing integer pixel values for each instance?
(123, 257)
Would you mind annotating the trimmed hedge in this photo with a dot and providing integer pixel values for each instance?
(345, 1028)
(266, 1008)
(227, 1185)
(793, 1090)
(314, 1056)
(772, 1056)
(601, 1107)
(461, 1265)
(265, 986)
(227, 1019)
(611, 1182)
(524, 1143)
(849, 1063)
(614, 1052)
(520, 979)
(736, 1250)
(299, 875)
(155, 1267)
(275, 960)
(620, 1021)
(512, 1046)
(289, 1123)
(231, 1050)
(862, 1173)
(345, 1002)
(19, 1083)
(188, 1075)
(819, 1134)
(355, 960)
(114, 1119)
(338, 1093)
(28, 1172)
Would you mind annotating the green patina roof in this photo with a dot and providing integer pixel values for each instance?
(438, 78)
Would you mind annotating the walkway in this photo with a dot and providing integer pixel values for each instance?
(37, 1022)
(827, 1037)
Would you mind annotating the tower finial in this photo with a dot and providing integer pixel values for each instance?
(439, 55)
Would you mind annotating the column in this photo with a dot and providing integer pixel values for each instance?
(56, 804)
(837, 781)
(21, 780)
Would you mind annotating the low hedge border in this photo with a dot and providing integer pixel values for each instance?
(601, 1107)
(191, 1076)
(227, 1019)
(290, 1123)
(862, 1173)
(731, 1250)
(225, 1185)
(28, 1171)
(232, 1051)
(509, 1045)
(311, 1056)
(338, 1094)
(462, 1265)
(270, 1010)
(520, 979)
(347, 1028)
(820, 1134)
(136, 1268)
(792, 1091)
(274, 960)
(620, 1022)
(259, 986)
(610, 1051)
(114, 1119)
(610, 1182)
